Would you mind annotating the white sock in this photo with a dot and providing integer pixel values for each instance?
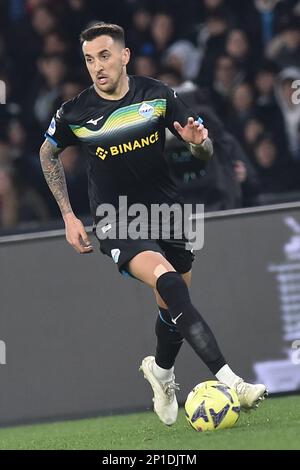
(227, 376)
(165, 375)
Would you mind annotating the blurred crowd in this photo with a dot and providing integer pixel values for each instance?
(235, 63)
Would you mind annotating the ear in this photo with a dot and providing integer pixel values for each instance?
(125, 56)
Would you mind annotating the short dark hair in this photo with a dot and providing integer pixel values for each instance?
(115, 31)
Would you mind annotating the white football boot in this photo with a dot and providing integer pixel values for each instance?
(249, 395)
(164, 400)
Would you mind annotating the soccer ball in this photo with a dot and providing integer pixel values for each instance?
(212, 405)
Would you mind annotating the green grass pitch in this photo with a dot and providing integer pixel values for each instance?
(275, 425)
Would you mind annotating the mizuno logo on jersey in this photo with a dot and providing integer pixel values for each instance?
(95, 121)
(128, 146)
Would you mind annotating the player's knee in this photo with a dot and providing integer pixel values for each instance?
(173, 290)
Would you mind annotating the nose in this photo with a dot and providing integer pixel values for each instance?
(98, 66)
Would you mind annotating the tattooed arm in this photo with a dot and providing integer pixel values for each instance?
(55, 176)
(202, 151)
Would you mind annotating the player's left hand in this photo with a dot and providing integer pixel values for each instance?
(193, 132)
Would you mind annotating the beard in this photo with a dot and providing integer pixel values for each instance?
(111, 86)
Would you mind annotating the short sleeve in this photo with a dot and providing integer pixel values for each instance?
(59, 132)
(177, 110)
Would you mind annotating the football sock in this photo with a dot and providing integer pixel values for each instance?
(190, 323)
(164, 375)
(227, 376)
(169, 340)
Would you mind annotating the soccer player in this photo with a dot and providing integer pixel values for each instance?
(120, 123)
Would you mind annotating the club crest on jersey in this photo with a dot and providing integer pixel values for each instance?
(146, 110)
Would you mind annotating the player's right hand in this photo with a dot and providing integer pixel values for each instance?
(76, 234)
